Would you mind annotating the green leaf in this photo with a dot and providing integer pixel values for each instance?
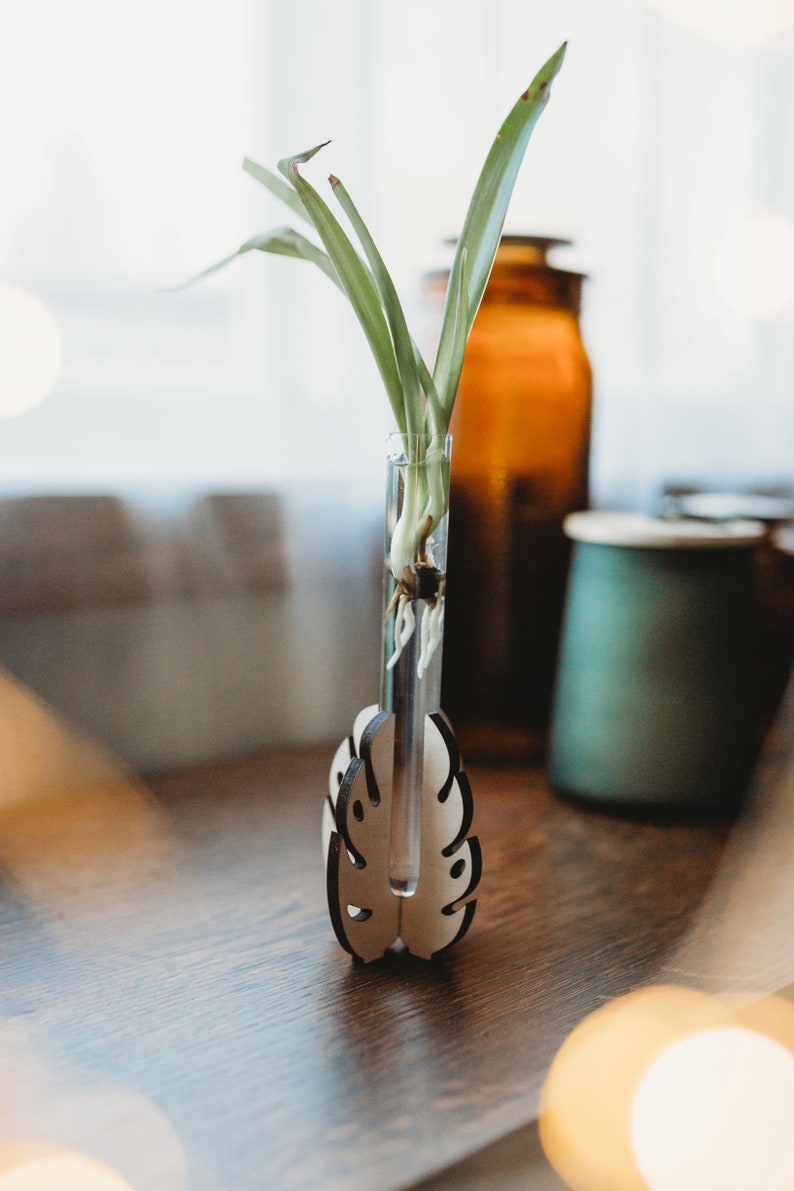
(485, 218)
(452, 347)
(277, 186)
(403, 345)
(437, 419)
(282, 241)
(354, 278)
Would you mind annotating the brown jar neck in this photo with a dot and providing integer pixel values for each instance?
(533, 285)
(521, 274)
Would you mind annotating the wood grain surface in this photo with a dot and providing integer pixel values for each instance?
(173, 1000)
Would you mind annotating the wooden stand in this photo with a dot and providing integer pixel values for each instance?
(367, 917)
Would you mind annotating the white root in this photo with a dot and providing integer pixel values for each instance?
(432, 628)
(404, 625)
(431, 631)
(409, 623)
(398, 624)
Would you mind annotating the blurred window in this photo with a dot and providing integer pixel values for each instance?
(125, 127)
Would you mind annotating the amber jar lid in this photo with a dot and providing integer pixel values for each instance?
(526, 250)
(522, 273)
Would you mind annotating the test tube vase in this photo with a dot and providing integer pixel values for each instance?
(401, 866)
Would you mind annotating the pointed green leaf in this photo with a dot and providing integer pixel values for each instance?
(403, 346)
(282, 241)
(484, 221)
(277, 186)
(436, 417)
(286, 241)
(452, 347)
(354, 277)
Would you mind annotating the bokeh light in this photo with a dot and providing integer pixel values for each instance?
(738, 21)
(754, 265)
(585, 1108)
(57, 1172)
(713, 1113)
(654, 1092)
(31, 350)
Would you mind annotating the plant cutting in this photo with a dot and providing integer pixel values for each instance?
(379, 788)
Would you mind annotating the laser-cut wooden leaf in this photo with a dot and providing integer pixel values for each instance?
(450, 865)
(364, 912)
(367, 917)
(348, 749)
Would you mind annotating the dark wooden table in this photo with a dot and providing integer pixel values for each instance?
(173, 1000)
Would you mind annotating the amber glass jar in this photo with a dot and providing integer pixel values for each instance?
(522, 438)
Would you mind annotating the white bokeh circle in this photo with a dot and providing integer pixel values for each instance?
(31, 350)
(713, 1112)
(62, 1172)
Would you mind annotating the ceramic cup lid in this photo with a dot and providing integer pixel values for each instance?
(733, 506)
(635, 529)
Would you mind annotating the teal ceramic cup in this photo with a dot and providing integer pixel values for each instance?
(655, 707)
